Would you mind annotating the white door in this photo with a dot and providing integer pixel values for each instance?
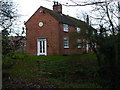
(42, 49)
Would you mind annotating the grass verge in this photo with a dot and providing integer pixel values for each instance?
(50, 71)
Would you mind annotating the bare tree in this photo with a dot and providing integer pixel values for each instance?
(108, 47)
(8, 14)
(105, 13)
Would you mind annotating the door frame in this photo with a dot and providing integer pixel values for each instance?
(38, 46)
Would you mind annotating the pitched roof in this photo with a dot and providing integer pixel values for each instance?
(65, 18)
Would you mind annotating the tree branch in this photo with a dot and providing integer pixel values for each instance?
(85, 4)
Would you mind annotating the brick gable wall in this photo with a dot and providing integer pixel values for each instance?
(50, 30)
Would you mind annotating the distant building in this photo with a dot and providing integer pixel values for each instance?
(48, 32)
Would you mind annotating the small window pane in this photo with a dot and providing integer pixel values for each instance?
(93, 32)
(40, 47)
(43, 46)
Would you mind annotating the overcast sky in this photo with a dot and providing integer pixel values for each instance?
(28, 7)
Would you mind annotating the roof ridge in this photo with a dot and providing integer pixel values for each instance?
(64, 18)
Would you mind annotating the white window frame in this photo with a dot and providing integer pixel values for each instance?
(93, 32)
(95, 45)
(78, 29)
(87, 46)
(79, 43)
(66, 42)
(65, 27)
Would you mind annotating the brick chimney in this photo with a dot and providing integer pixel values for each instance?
(57, 7)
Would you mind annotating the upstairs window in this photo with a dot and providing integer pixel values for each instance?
(93, 33)
(65, 27)
(79, 43)
(66, 42)
(78, 29)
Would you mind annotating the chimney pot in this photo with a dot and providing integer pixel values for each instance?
(57, 7)
(87, 20)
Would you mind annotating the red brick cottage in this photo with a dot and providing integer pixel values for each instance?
(48, 32)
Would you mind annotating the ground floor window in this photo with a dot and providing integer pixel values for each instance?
(79, 43)
(66, 42)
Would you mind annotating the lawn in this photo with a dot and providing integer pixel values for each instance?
(23, 71)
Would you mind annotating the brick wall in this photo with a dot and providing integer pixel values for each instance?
(72, 44)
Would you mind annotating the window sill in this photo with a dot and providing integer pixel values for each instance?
(79, 47)
(66, 31)
(78, 32)
(66, 47)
